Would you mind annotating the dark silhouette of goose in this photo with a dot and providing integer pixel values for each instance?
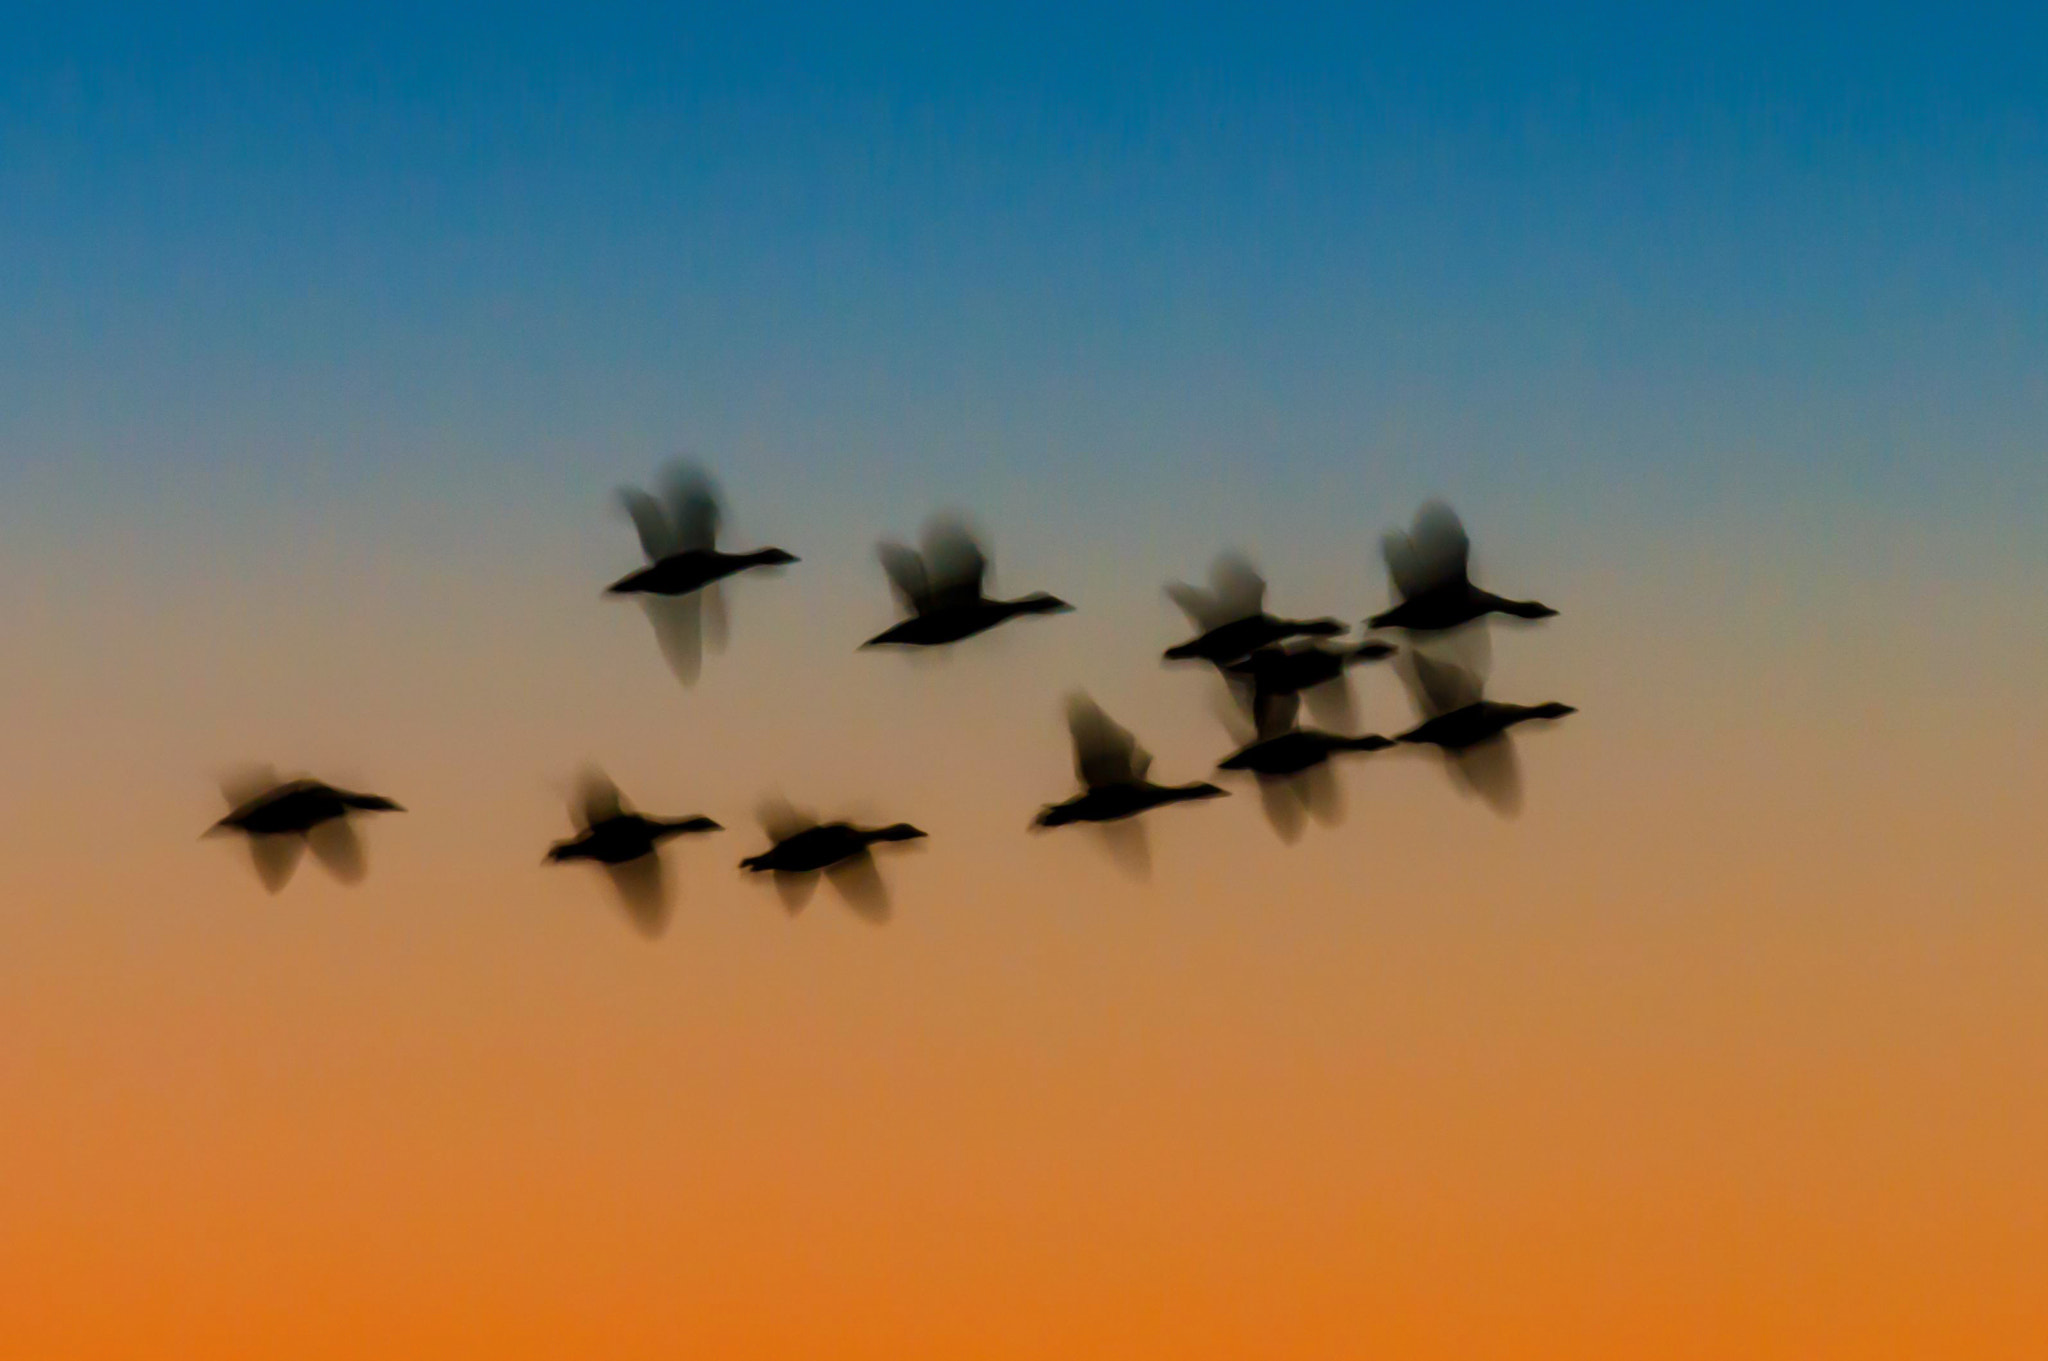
(1112, 768)
(1291, 763)
(1471, 730)
(679, 586)
(1314, 671)
(282, 819)
(1429, 567)
(942, 588)
(628, 847)
(1231, 615)
(803, 848)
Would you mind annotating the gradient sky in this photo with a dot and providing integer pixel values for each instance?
(325, 340)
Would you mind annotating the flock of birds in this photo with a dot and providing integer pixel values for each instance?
(1272, 666)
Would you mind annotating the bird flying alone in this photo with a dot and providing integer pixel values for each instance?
(942, 589)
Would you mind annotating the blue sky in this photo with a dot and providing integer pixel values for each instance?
(262, 260)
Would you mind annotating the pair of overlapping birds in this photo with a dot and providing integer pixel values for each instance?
(1272, 667)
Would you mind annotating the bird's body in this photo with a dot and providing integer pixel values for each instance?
(822, 846)
(1453, 606)
(1240, 637)
(692, 570)
(296, 807)
(1290, 670)
(951, 624)
(1295, 750)
(624, 837)
(1478, 722)
(942, 588)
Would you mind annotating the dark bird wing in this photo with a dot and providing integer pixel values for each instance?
(860, 883)
(275, 857)
(1433, 554)
(692, 508)
(336, 845)
(1105, 752)
(906, 575)
(658, 537)
(246, 784)
(782, 820)
(678, 623)
(1236, 591)
(1439, 686)
(643, 893)
(954, 564)
(597, 799)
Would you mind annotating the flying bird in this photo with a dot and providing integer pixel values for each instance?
(1291, 763)
(1314, 671)
(803, 848)
(679, 587)
(1430, 569)
(628, 846)
(1470, 730)
(1231, 615)
(942, 588)
(282, 819)
(1113, 771)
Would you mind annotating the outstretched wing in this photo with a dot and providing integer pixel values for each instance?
(1105, 752)
(1239, 591)
(692, 507)
(597, 799)
(1439, 686)
(906, 575)
(954, 563)
(658, 537)
(1433, 554)
(782, 820)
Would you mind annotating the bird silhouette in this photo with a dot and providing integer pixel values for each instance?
(627, 846)
(942, 589)
(803, 848)
(282, 819)
(1291, 763)
(1314, 671)
(1113, 769)
(1231, 615)
(679, 586)
(1471, 730)
(1430, 569)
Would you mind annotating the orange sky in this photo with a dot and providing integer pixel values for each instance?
(1730, 1046)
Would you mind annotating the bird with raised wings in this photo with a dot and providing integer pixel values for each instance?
(1429, 567)
(942, 588)
(679, 588)
(1231, 615)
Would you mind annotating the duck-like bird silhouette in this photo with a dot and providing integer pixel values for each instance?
(1314, 671)
(628, 846)
(1292, 763)
(1471, 730)
(942, 588)
(804, 847)
(282, 819)
(1232, 616)
(1113, 771)
(1430, 569)
(679, 586)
